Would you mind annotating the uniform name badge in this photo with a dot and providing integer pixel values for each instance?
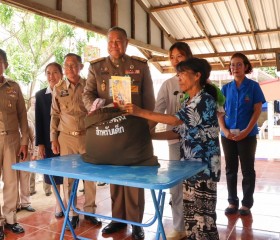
(134, 89)
(132, 71)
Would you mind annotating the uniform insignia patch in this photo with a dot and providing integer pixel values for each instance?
(139, 59)
(97, 60)
(64, 93)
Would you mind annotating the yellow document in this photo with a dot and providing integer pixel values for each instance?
(121, 90)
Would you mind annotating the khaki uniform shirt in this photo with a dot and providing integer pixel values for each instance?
(67, 111)
(13, 116)
(100, 72)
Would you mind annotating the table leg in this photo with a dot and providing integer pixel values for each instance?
(159, 206)
(65, 210)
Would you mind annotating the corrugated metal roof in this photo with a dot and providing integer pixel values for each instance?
(222, 26)
(214, 29)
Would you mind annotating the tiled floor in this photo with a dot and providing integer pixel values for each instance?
(264, 224)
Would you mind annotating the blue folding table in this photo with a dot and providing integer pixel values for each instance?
(155, 178)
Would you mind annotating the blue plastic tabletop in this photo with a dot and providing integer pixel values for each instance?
(167, 175)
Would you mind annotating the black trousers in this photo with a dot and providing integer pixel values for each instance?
(244, 151)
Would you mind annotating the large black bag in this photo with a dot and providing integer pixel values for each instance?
(118, 140)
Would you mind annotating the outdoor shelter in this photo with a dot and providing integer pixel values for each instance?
(214, 29)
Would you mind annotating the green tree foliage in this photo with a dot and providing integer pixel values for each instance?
(31, 41)
(269, 70)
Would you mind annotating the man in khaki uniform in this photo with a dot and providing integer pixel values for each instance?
(13, 144)
(67, 128)
(127, 202)
(23, 176)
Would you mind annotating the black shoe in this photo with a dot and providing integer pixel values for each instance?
(82, 190)
(231, 210)
(48, 194)
(100, 184)
(137, 232)
(74, 222)
(15, 228)
(93, 220)
(32, 193)
(28, 208)
(2, 235)
(113, 227)
(59, 214)
(244, 212)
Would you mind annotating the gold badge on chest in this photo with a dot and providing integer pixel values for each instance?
(103, 86)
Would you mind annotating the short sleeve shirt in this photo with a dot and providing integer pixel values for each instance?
(239, 105)
(200, 133)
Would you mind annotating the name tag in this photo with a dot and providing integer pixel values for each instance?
(134, 89)
(132, 71)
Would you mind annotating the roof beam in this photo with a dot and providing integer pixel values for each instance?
(114, 13)
(202, 28)
(217, 66)
(132, 16)
(231, 35)
(143, 6)
(180, 5)
(221, 54)
(252, 27)
(89, 11)
(148, 55)
(59, 5)
(42, 10)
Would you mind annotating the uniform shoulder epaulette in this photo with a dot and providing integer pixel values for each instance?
(139, 59)
(59, 83)
(97, 60)
(10, 80)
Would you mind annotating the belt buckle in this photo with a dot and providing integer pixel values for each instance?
(2, 133)
(74, 133)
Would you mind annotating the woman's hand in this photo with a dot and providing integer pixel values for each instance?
(41, 151)
(131, 109)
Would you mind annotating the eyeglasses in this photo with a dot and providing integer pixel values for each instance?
(70, 66)
(237, 65)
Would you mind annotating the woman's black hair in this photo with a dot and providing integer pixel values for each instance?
(57, 65)
(3, 55)
(183, 48)
(245, 60)
(204, 68)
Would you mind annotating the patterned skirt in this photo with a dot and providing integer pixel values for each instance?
(200, 198)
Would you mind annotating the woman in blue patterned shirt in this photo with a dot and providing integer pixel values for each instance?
(197, 127)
